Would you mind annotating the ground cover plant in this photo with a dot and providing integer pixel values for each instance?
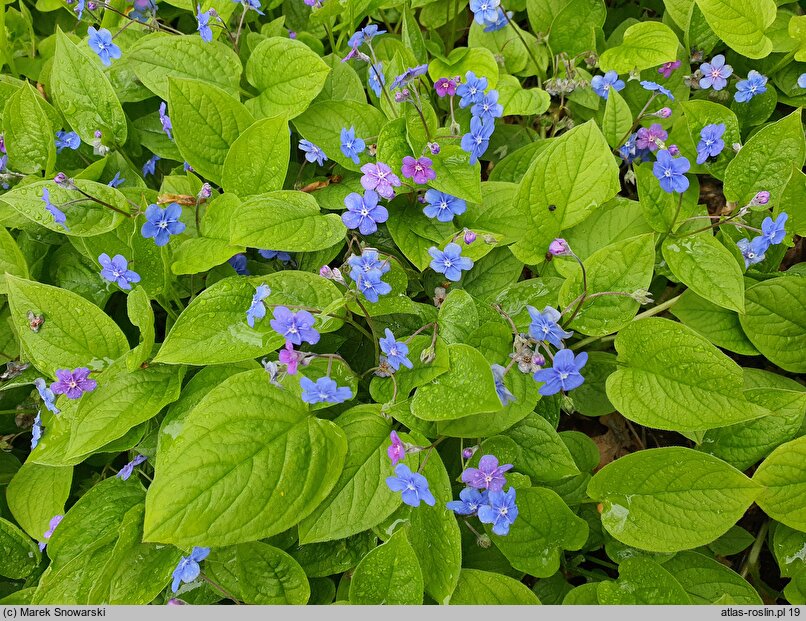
(403, 302)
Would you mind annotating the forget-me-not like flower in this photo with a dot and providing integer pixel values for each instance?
(470, 499)
(500, 511)
(774, 231)
(655, 87)
(477, 139)
(100, 42)
(188, 568)
(443, 206)
(488, 108)
(755, 84)
(165, 120)
(413, 485)
(545, 326)
(752, 250)
(648, 137)
(375, 78)
(59, 216)
(257, 309)
(67, 140)
(161, 223)
(670, 172)
(379, 177)
(489, 475)
(564, 375)
(601, 83)
(715, 74)
(501, 389)
(275, 254)
(128, 469)
(363, 212)
(54, 522)
(46, 394)
(350, 145)
(471, 91)
(116, 270)
(324, 390)
(711, 143)
(371, 285)
(73, 384)
(419, 170)
(397, 352)
(449, 261)
(203, 23)
(295, 327)
(396, 450)
(312, 152)
(150, 167)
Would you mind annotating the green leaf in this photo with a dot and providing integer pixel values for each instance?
(334, 557)
(288, 74)
(213, 328)
(670, 377)
(544, 456)
(617, 119)
(670, 499)
(789, 548)
(390, 575)
(521, 101)
(200, 254)
(545, 526)
(285, 220)
(138, 307)
(783, 477)
(477, 587)
(206, 122)
(707, 580)
(258, 160)
(84, 95)
(707, 268)
(277, 468)
(576, 173)
(455, 175)
(574, 27)
(157, 57)
(12, 260)
(20, 554)
(28, 135)
(463, 59)
(342, 82)
(75, 332)
(257, 573)
(642, 581)
(717, 324)
(741, 24)
(36, 494)
(775, 321)
(360, 499)
(645, 45)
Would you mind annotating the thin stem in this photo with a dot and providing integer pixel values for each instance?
(658, 309)
(755, 551)
(220, 589)
(105, 204)
(380, 79)
(371, 327)
(636, 121)
(528, 50)
(240, 27)
(501, 312)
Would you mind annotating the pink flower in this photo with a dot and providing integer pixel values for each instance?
(379, 177)
(396, 450)
(559, 247)
(420, 169)
(648, 137)
(290, 358)
(445, 86)
(666, 69)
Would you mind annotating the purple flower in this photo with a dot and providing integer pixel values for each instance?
(128, 469)
(559, 247)
(564, 375)
(117, 270)
(312, 152)
(601, 83)
(324, 390)
(408, 76)
(478, 139)
(275, 254)
(489, 475)
(291, 358)
(449, 261)
(116, 181)
(488, 108)
(295, 327)
(371, 285)
(470, 501)
(501, 511)
(203, 24)
(368, 261)
(413, 485)
(666, 69)
(257, 309)
(544, 326)
(715, 74)
(504, 393)
(445, 87)
(663, 113)
(165, 120)
(419, 170)
(67, 140)
(188, 568)
(238, 263)
(671, 172)
(73, 383)
(774, 231)
(471, 90)
(36, 432)
(755, 84)
(711, 143)
(753, 251)
(396, 451)
(150, 167)
(470, 237)
(363, 212)
(58, 214)
(396, 351)
(375, 78)
(654, 86)
(54, 522)
(630, 151)
(162, 223)
(443, 206)
(350, 145)
(648, 137)
(761, 198)
(100, 42)
(379, 177)
(46, 394)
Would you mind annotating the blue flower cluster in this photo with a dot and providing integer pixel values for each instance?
(485, 497)
(485, 109)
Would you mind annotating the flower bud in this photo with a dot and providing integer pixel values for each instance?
(567, 404)
(468, 452)
(421, 199)
(292, 34)
(63, 181)
(736, 147)
(91, 6)
(434, 148)
(664, 113)
(428, 355)
(205, 192)
(455, 129)
(470, 237)
(674, 150)
(484, 541)
(439, 296)
(559, 248)
(762, 198)
(538, 360)
(642, 296)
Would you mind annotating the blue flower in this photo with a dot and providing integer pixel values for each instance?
(471, 90)
(142, 9)
(654, 86)
(275, 254)
(396, 351)
(162, 223)
(671, 171)
(501, 511)
(58, 215)
(312, 152)
(117, 270)
(413, 485)
(203, 24)
(564, 375)
(485, 11)
(375, 78)
(150, 167)
(238, 263)
(165, 120)
(715, 74)
(544, 326)
(371, 285)
(753, 251)
(251, 4)
(363, 212)
(500, 22)
(408, 76)
(36, 431)
(630, 151)
(116, 181)
(488, 108)
(257, 309)
(128, 469)
(324, 390)
(364, 35)
(67, 140)
(755, 84)
(774, 231)
(711, 143)
(443, 206)
(504, 393)
(295, 327)
(350, 145)
(470, 501)
(802, 80)
(478, 139)
(100, 42)
(48, 398)
(601, 83)
(188, 568)
(79, 10)
(368, 261)
(449, 261)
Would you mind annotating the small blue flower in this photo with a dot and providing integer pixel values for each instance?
(165, 120)
(128, 469)
(500, 22)
(544, 326)
(58, 215)
(504, 393)
(251, 4)
(162, 223)
(654, 86)
(371, 285)
(471, 91)
(275, 254)
(142, 9)
(100, 42)
(48, 398)
(150, 167)
(501, 511)
(631, 152)
(36, 431)
(116, 270)
(443, 206)
(408, 76)
(485, 11)
(350, 145)
(715, 74)
(802, 80)
(324, 390)
(413, 485)
(564, 375)
(478, 139)
(753, 251)
(375, 78)
(67, 140)
(295, 327)
(449, 261)
(312, 152)
(774, 231)
(671, 171)
(366, 34)
(470, 501)
(238, 263)
(79, 10)
(396, 351)
(368, 261)
(203, 24)
(601, 83)
(257, 309)
(116, 181)
(488, 108)
(755, 84)
(188, 568)
(711, 143)
(363, 212)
